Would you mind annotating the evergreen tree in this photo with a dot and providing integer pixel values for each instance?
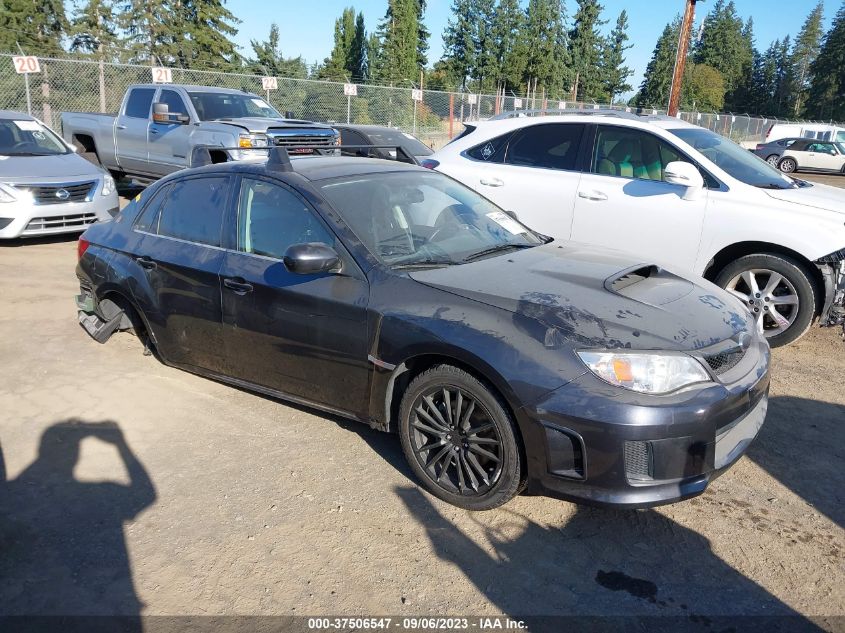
(356, 61)
(724, 46)
(542, 36)
(827, 89)
(806, 49)
(459, 42)
(335, 66)
(510, 55)
(270, 61)
(613, 70)
(422, 35)
(485, 71)
(36, 25)
(152, 29)
(398, 35)
(208, 26)
(586, 45)
(740, 98)
(657, 82)
(375, 62)
(784, 87)
(94, 29)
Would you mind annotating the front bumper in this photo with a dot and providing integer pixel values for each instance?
(25, 218)
(594, 443)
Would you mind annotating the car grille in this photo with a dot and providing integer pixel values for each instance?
(304, 140)
(74, 221)
(59, 193)
(638, 460)
(720, 363)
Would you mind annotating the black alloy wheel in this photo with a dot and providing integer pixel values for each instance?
(459, 439)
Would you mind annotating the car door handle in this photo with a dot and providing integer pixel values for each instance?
(238, 285)
(146, 262)
(592, 195)
(120, 127)
(153, 130)
(492, 182)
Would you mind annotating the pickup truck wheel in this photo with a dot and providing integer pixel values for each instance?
(778, 290)
(460, 440)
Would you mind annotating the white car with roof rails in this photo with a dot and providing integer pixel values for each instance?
(675, 194)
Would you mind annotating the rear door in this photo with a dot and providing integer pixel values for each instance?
(131, 130)
(534, 172)
(624, 203)
(182, 256)
(168, 142)
(303, 335)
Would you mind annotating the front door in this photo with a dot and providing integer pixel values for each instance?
(624, 203)
(303, 335)
(181, 256)
(822, 156)
(169, 142)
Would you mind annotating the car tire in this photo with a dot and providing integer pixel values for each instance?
(796, 293)
(442, 411)
(773, 160)
(788, 165)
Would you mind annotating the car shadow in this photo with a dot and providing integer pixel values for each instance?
(601, 570)
(802, 445)
(63, 548)
(61, 238)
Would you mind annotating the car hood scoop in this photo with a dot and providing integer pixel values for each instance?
(595, 298)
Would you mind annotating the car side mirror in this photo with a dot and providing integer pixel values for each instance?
(686, 175)
(161, 113)
(311, 258)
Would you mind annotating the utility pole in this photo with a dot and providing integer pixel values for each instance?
(681, 58)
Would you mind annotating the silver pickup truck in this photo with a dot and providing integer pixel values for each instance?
(158, 126)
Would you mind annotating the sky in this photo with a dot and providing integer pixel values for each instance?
(308, 29)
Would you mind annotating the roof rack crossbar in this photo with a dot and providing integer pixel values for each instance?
(622, 114)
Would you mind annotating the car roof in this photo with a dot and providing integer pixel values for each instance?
(17, 116)
(312, 168)
(194, 88)
(627, 119)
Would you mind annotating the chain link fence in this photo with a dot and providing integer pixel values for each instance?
(84, 85)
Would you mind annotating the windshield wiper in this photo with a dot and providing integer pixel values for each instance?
(30, 154)
(499, 248)
(425, 263)
(773, 185)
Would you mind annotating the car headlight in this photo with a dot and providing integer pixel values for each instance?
(108, 185)
(645, 372)
(252, 140)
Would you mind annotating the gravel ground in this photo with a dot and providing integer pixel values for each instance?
(139, 488)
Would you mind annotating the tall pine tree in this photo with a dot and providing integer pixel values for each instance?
(36, 25)
(270, 61)
(806, 49)
(94, 29)
(657, 81)
(510, 55)
(459, 42)
(614, 72)
(725, 46)
(399, 39)
(586, 46)
(827, 89)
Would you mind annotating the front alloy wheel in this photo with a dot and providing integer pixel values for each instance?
(788, 165)
(778, 291)
(459, 440)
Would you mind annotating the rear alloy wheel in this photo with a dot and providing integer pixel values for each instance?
(779, 292)
(788, 165)
(459, 439)
(773, 160)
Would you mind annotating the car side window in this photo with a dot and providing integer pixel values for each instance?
(175, 104)
(148, 220)
(271, 219)
(629, 153)
(546, 145)
(139, 102)
(194, 209)
(492, 151)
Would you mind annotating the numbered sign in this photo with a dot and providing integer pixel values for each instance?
(596, 106)
(471, 99)
(350, 90)
(162, 75)
(26, 64)
(517, 103)
(416, 94)
(561, 105)
(269, 83)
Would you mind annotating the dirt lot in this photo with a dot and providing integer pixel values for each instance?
(143, 489)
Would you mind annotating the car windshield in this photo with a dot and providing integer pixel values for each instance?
(225, 105)
(840, 147)
(414, 218)
(20, 137)
(739, 163)
(395, 137)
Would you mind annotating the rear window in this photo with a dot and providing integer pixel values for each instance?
(491, 151)
(138, 104)
(408, 142)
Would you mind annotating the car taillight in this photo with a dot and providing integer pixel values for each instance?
(759, 146)
(429, 163)
(81, 247)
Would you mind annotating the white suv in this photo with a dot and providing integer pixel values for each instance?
(674, 193)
